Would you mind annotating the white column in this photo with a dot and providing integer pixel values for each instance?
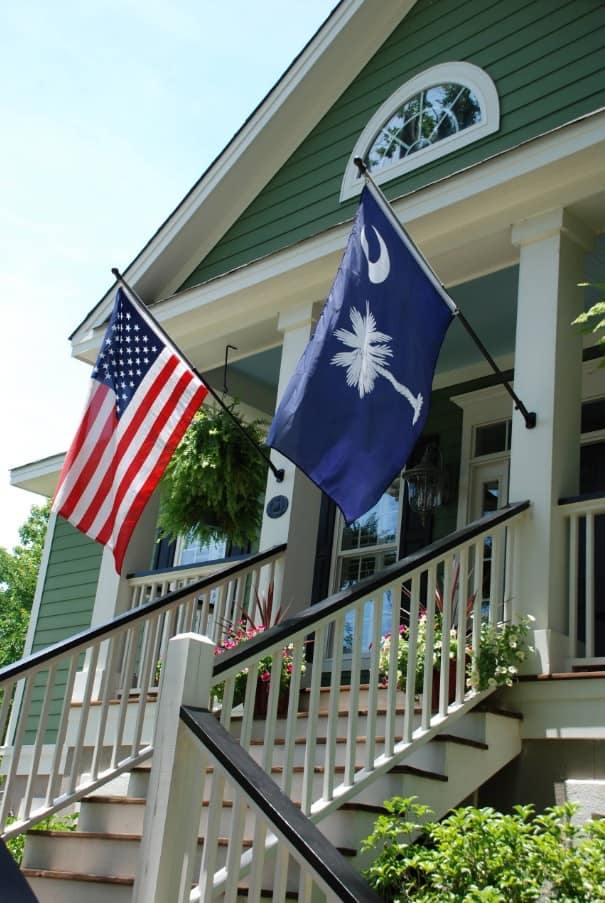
(545, 460)
(298, 525)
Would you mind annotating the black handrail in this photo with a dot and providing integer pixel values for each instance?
(305, 620)
(584, 497)
(280, 811)
(85, 637)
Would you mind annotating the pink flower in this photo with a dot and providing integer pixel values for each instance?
(289, 667)
(265, 676)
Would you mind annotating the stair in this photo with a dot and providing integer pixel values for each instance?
(98, 861)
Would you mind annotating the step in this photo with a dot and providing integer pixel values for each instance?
(476, 746)
(96, 853)
(52, 886)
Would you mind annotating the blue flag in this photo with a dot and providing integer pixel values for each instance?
(359, 397)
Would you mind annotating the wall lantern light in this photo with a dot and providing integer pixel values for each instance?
(427, 483)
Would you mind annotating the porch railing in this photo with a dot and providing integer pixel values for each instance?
(435, 600)
(53, 751)
(586, 518)
(452, 585)
(152, 585)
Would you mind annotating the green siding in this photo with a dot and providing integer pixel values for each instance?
(66, 608)
(545, 57)
(70, 586)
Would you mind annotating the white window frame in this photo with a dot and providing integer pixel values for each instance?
(337, 554)
(494, 404)
(465, 74)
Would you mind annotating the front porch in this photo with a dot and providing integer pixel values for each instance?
(56, 755)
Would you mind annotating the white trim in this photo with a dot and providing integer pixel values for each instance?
(484, 406)
(494, 404)
(458, 209)
(33, 620)
(461, 73)
(38, 476)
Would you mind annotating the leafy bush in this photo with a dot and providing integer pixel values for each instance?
(502, 647)
(483, 856)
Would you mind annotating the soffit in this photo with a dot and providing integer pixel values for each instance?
(39, 476)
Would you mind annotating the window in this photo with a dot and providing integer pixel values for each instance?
(362, 549)
(192, 551)
(436, 112)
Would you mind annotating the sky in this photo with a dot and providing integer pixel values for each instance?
(110, 111)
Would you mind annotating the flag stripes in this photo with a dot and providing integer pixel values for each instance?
(129, 430)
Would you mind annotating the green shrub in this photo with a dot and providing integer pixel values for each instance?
(483, 856)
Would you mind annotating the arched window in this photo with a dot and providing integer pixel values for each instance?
(436, 112)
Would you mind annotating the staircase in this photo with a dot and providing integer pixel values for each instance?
(98, 862)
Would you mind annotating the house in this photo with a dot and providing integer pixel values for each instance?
(484, 125)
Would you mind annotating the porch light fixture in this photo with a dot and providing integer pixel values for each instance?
(427, 483)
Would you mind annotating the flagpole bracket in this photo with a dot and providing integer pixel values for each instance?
(279, 474)
(360, 165)
(529, 417)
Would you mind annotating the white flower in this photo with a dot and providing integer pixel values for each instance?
(492, 682)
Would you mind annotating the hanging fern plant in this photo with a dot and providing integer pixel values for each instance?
(213, 484)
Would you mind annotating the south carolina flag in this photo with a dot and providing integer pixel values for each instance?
(359, 398)
(142, 398)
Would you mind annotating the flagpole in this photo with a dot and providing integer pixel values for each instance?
(278, 472)
(528, 416)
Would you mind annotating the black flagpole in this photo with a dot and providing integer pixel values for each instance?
(278, 472)
(528, 416)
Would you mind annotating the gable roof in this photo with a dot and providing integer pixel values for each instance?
(348, 38)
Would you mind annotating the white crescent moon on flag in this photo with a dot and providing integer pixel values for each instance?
(379, 269)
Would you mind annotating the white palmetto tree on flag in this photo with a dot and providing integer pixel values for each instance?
(368, 358)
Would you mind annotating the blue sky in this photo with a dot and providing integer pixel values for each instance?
(110, 112)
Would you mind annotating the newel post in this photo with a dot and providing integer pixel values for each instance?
(174, 799)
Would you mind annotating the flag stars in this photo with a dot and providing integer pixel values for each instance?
(129, 349)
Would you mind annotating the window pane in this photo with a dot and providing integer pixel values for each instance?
(423, 119)
(376, 527)
(196, 552)
(491, 438)
(367, 625)
(593, 415)
(491, 494)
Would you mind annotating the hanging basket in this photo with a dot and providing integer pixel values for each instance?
(213, 486)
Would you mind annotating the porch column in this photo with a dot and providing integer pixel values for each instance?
(545, 461)
(298, 524)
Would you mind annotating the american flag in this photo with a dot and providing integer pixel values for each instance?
(142, 398)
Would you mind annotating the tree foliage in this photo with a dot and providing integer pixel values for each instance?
(18, 576)
(593, 320)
